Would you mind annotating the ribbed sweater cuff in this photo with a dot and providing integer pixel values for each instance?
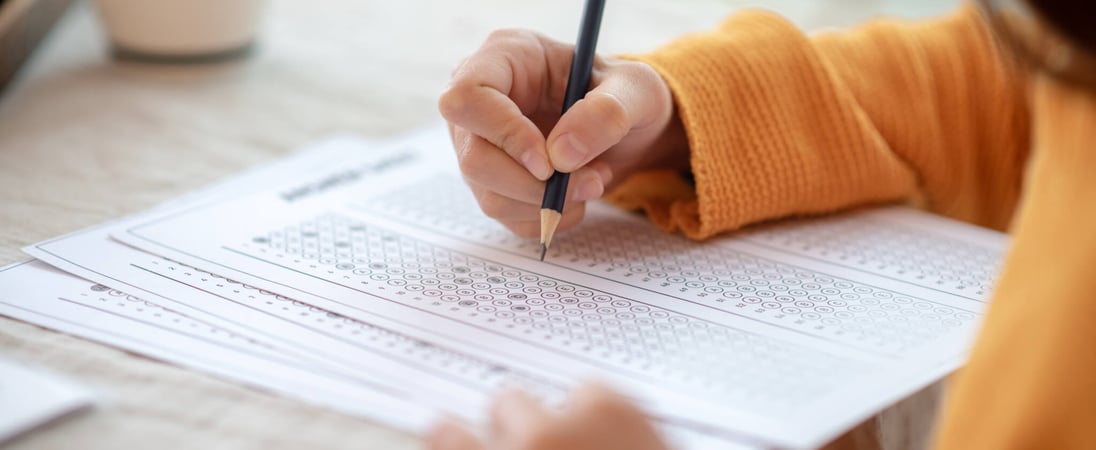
(771, 131)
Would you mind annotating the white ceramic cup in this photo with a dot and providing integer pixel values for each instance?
(180, 30)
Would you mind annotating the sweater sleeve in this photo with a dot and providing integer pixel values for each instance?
(781, 124)
(1030, 382)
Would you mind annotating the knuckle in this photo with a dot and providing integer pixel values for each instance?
(460, 65)
(513, 137)
(500, 34)
(610, 109)
(493, 205)
(509, 34)
(472, 163)
(454, 102)
(639, 71)
(462, 141)
(647, 80)
(514, 44)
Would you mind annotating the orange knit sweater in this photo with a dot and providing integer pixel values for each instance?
(780, 124)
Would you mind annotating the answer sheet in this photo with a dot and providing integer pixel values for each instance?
(785, 335)
(340, 345)
(430, 378)
(37, 293)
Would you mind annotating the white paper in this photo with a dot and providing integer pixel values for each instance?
(779, 334)
(37, 293)
(40, 294)
(31, 398)
(240, 309)
(290, 331)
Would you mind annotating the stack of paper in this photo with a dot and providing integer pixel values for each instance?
(362, 276)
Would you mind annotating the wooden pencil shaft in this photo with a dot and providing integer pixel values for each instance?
(549, 220)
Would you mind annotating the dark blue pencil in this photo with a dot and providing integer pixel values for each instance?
(578, 83)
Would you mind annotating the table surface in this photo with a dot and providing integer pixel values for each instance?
(84, 139)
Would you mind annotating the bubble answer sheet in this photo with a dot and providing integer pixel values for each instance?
(216, 325)
(784, 335)
(37, 293)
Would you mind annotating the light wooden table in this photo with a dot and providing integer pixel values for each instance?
(84, 139)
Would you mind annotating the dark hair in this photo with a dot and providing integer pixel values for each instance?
(1057, 37)
(1074, 19)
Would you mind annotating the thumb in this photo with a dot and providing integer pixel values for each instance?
(594, 124)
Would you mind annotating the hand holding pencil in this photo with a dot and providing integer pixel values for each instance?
(503, 107)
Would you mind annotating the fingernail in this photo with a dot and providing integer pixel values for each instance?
(588, 190)
(568, 152)
(536, 164)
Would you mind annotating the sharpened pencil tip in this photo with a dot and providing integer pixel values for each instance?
(549, 220)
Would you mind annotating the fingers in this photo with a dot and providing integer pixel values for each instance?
(505, 209)
(572, 215)
(499, 203)
(622, 101)
(490, 114)
(596, 418)
(509, 194)
(486, 93)
(620, 424)
(515, 418)
(598, 122)
(452, 435)
(483, 164)
(597, 398)
(523, 218)
(504, 97)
